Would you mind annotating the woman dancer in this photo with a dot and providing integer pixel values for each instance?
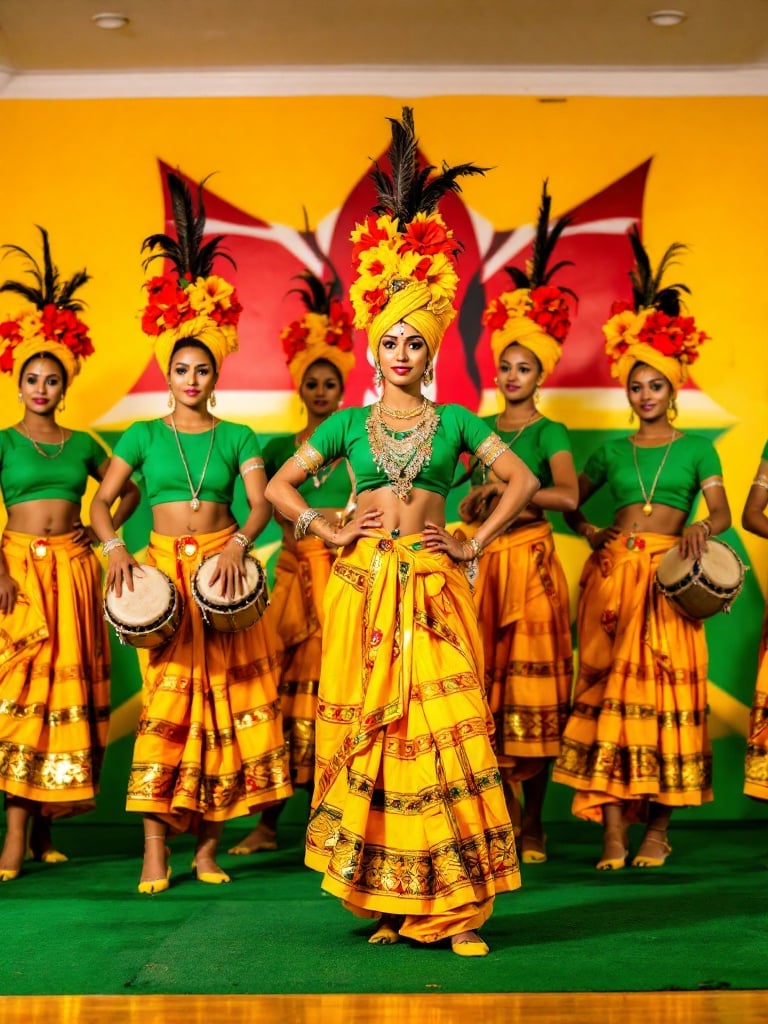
(209, 745)
(54, 651)
(408, 823)
(319, 353)
(756, 765)
(636, 744)
(521, 593)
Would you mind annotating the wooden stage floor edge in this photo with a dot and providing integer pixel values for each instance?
(718, 1007)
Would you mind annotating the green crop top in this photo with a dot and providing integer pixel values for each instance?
(327, 489)
(344, 434)
(535, 446)
(26, 475)
(691, 460)
(150, 446)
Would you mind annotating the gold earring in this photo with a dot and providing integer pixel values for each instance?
(672, 409)
(495, 380)
(378, 376)
(171, 400)
(212, 400)
(536, 395)
(21, 398)
(62, 405)
(631, 417)
(429, 374)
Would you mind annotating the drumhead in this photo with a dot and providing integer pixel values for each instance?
(149, 600)
(673, 567)
(721, 565)
(254, 575)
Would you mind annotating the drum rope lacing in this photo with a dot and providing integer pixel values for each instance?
(194, 491)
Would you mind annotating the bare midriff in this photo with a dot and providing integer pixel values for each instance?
(44, 517)
(177, 519)
(406, 516)
(664, 519)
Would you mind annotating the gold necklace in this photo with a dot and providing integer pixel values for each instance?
(38, 449)
(648, 498)
(402, 457)
(397, 414)
(195, 502)
(528, 422)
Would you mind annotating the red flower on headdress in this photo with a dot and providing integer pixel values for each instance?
(675, 336)
(550, 311)
(428, 235)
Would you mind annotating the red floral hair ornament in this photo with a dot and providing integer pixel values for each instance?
(53, 326)
(324, 332)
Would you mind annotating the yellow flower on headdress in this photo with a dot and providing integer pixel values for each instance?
(192, 303)
(405, 243)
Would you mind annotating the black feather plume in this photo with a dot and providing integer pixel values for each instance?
(190, 258)
(407, 189)
(317, 295)
(545, 239)
(646, 285)
(48, 288)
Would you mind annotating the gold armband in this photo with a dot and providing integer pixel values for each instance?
(491, 448)
(309, 458)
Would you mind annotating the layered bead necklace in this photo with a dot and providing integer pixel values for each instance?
(194, 503)
(648, 495)
(402, 454)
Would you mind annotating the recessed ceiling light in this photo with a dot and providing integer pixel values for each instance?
(110, 20)
(667, 19)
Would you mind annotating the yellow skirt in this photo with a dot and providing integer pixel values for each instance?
(638, 729)
(408, 814)
(756, 764)
(54, 675)
(209, 743)
(522, 603)
(295, 612)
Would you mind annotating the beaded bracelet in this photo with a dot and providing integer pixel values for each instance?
(474, 546)
(303, 521)
(759, 481)
(112, 544)
(707, 526)
(241, 539)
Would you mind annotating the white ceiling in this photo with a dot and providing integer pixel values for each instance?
(58, 36)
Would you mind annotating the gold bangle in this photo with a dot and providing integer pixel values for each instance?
(242, 540)
(707, 526)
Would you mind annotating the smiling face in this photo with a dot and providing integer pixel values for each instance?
(518, 373)
(192, 375)
(403, 356)
(649, 392)
(42, 385)
(321, 389)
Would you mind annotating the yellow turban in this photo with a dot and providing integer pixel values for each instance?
(220, 341)
(628, 341)
(319, 336)
(519, 317)
(43, 346)
(415, 305)
(51, 331)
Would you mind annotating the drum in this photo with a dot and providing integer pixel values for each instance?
(147, 616)
(698, 589)
(223, 613)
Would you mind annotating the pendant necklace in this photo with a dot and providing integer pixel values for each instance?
(38, 449)
(194, 503)
(648, 496)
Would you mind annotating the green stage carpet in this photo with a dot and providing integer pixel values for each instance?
(80, 927)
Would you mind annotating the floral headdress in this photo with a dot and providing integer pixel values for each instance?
(324, 332)
(651, 328)
(536, 313)
(53, 327)
(403, 254)
(191, 302)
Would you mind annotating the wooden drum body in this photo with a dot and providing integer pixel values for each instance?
(147, 616)
(228, 615)
(701, 588)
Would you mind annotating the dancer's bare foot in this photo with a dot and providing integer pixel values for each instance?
(155, 869)
(41, 844)
(261, 838)
(533, 844)
(204, 863)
